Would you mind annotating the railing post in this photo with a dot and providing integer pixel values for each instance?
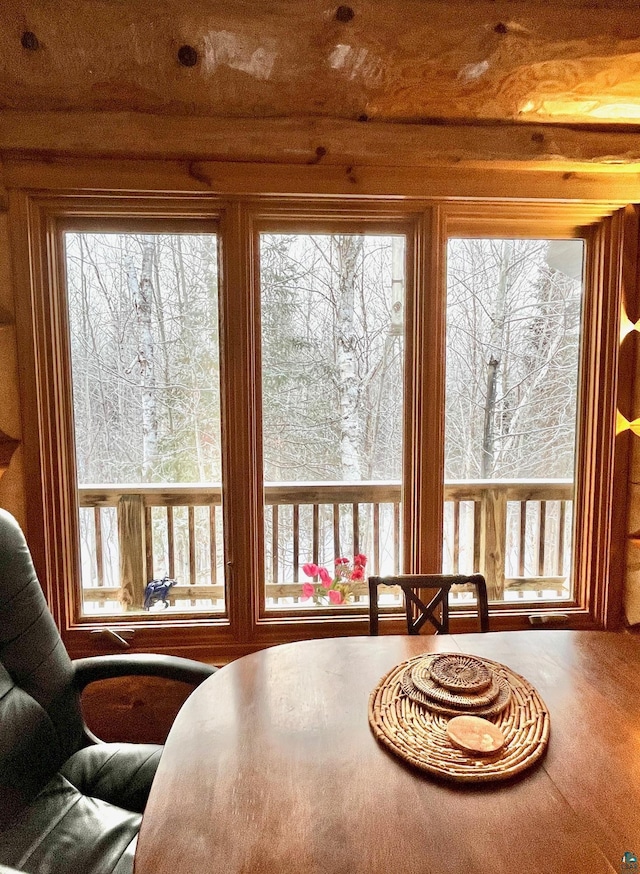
(493, 539)
(131, 541)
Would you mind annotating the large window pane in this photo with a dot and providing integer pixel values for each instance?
(143, 315)
(332, 378)
(513, 341)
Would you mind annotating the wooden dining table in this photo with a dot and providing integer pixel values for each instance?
(271, 768)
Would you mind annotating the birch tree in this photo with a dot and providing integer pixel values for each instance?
(143, 318)
(332, 358)
(349, 253)
(141, 290)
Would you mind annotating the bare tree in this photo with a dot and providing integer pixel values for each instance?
(512, 359)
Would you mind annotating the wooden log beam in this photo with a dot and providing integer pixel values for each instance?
(567, 197)
(306, 140)
(386, 59)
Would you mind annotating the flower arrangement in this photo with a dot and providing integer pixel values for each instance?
(337, 589)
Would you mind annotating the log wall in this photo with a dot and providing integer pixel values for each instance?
(378, 96)
(388, 60)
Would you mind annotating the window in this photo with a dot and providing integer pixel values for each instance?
(260, 465)
(513, 350)
(143, 327)
(332, 339)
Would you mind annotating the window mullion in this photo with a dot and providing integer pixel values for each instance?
(424, 415)
(241, 426)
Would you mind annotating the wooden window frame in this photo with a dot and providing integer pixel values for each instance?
(594, 531)
(39, 212)
(367, 220)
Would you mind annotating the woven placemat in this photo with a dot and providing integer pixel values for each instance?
(418, 736)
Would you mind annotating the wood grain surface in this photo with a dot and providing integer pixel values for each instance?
(271, 768)
(133, 709)
(393, 60)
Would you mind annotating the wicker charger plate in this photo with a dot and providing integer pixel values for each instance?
(418, 736)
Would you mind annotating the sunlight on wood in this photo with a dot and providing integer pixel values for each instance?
(623, 424)
(626, 325)
(575, 109)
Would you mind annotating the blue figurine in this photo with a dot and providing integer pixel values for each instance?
(157, 590)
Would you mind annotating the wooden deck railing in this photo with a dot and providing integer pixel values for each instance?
(515, 532)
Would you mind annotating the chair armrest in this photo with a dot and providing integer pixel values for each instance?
(139, 664)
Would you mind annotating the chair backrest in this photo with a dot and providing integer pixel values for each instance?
(40, 718)
(435, 610)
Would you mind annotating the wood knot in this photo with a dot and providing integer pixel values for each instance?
(187, 56)
(29, 41)
(537, 138)
(320, 153)
(344, 14)
(501, 28)
(363, 117)
(196, 173)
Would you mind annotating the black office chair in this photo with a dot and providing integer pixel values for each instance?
(69, 804)
(417, 611)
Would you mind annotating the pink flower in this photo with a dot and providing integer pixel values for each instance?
(307, 591)
(335, 597)
(357, 573)
(311, 570)
(323, 573)
(342, 561)
(360, 560)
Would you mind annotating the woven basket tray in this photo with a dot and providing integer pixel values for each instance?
(418, 735)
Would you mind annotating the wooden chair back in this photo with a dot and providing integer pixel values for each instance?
(436, 610)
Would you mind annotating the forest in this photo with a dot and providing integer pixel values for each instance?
(143, 316)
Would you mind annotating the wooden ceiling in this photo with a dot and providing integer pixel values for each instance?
(414, 61)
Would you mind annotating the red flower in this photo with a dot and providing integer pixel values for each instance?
(323, 573)
(346, 571)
